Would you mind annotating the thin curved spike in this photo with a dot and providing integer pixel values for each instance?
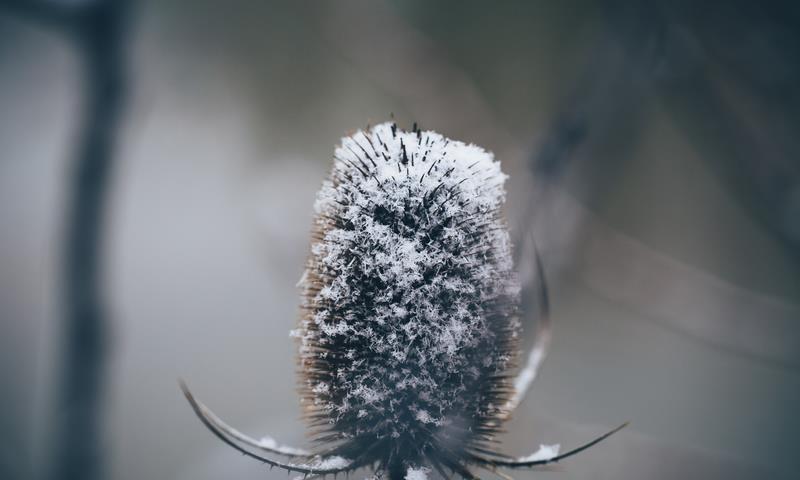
(541, 345)
(438, 466)
(486, 451)
(456, 467)
(306, 476)
(451, 461)
(291, 452)
(205, 415)
(557, 458)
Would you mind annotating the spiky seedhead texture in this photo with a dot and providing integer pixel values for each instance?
(410, 302)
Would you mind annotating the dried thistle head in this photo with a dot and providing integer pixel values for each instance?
(410, 326)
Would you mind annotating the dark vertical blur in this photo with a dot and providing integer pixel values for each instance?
(95, 30)
(652, 153)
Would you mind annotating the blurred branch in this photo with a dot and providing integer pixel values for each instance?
(711, 84)
(733, 95)
(726, 74)
(97, 29)
(687, 300)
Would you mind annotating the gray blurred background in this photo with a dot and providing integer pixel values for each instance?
(652, 152)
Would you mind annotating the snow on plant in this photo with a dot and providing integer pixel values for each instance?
(410, 309)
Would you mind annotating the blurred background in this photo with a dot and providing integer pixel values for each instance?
(160, 161)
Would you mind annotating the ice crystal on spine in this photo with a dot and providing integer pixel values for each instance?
(417, 474)
(409, 297)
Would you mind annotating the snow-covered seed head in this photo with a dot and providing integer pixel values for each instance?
(409, 326)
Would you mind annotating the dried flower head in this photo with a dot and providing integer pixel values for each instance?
(410, 325)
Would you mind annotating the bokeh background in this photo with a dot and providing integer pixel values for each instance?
(653, 154)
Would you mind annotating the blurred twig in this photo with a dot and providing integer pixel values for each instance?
(727, 75)
(96, 29)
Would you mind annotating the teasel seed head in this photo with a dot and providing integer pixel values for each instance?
(408, 339)
(409, 326)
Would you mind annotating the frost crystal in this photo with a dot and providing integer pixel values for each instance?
(417, 473)
(409, 293)
(545, 452)
(330, 463)
(271, 444)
